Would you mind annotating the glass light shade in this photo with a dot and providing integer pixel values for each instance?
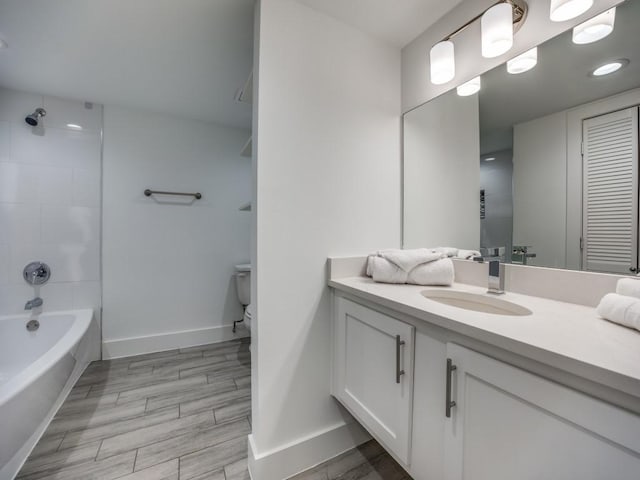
(596, 28)
(608, 68)
(469, 88)
(524, 62)
(443, 63)
(497, 30)
(562, 10)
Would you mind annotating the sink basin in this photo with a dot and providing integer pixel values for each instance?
(475, 302)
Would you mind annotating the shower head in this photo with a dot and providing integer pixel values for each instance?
(34, 118)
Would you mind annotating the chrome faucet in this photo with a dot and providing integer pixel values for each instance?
(495, 282)
(34, 303)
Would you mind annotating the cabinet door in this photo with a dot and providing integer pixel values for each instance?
(373, 373)
(510, 424)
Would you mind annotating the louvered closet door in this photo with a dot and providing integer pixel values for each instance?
(610, 192)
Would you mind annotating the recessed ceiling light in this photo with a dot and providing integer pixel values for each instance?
(469, 88)
(524, 62)
(610, 67)
(73, 126)
(595, 28)
(489, 159)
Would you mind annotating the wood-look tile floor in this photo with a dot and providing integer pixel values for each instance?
(176, 415)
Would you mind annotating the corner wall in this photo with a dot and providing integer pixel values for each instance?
(328, 183)
(168, 261)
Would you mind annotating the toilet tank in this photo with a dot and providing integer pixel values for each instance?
(243, 283)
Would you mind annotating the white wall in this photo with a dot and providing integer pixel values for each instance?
(49, 201)
(442, 173)
(328, 183)
(540, 188)
(168, 261)
(496, 178)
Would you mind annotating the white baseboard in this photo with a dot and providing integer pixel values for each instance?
(126, 347)
(296, 457)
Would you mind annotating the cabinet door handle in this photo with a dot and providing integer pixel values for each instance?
(399, 344)
(449, 403)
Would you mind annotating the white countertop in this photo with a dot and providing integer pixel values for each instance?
(564, 335)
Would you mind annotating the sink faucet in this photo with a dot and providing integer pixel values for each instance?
(31, 304)
(495, 282)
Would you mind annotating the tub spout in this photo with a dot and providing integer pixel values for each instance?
(36, 302)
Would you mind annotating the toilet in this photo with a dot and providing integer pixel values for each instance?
(243, 287)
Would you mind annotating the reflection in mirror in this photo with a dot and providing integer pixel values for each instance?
(558, 150)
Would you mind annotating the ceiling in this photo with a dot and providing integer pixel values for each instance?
(560, 80)
(183, 57)
(396, 22)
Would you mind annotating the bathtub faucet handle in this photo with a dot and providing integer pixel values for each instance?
(34, 303)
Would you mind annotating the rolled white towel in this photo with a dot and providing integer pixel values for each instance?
(629, 287)
(384, 271)
(407, 260)
(440, 272)
(467, 254)
(620, 309)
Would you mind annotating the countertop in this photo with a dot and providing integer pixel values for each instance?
(566, 336)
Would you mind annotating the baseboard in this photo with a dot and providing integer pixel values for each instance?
(126, 347)
(296, 457)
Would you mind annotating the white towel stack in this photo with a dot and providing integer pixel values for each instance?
(622, 307)
(422, 266)
(458, 252)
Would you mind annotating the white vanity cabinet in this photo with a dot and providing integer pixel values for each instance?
(373, 372)
(507, 423)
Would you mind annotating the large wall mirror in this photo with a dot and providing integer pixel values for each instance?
(543, 163)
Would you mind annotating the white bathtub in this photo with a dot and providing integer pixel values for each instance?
(37, 371)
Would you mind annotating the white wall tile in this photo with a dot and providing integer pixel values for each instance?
(70, 225)
(19, 183)
(5, 141)
(4, 264)
(86, 187)
(19, 223)
(86, 294)
(15, 105)
(55, 185)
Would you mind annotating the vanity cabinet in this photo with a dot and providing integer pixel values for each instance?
(507, 423)
(373, 372)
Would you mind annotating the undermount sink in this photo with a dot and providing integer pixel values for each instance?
(475, 302)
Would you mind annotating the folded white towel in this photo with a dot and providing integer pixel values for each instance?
(467, 254)
(629, 287)
(439, 272)
(382, 270)
(407, 260)
(620, 309)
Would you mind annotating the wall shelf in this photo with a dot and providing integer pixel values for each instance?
(247, 148)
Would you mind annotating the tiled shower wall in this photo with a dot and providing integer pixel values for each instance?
(50, 201)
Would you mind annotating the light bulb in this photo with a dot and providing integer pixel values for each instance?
(524, 62)
(497, 30)
(595, 28)
(443, 63)
(469, 88)
(562, 10)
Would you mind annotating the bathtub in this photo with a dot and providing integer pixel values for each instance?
(37, 371)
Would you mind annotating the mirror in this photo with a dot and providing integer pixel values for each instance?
(544, 162)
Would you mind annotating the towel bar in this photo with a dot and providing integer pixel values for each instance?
(149, 192)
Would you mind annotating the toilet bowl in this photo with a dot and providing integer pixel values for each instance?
(243, 287)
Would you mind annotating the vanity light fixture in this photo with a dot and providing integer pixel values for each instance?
(524, 62)
(563, 10)
(610, 67)
(443, 63)
(469, 88)
(489, 159)
(497, 30)
(498, 24)
(595, 28)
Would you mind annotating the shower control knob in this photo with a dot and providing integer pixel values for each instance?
(36, 273)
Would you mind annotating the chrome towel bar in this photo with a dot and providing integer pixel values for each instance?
(149, 192)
